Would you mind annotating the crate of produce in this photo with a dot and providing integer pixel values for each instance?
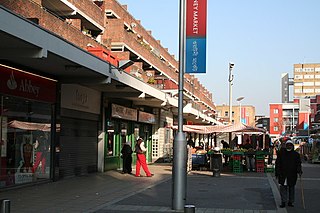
(237, 157)
(237, 153)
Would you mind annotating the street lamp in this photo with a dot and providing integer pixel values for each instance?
(239, 100)
(230, 79)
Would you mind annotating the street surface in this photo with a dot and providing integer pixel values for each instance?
(119, 193)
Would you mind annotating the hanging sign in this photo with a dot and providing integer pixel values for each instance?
(196, 29)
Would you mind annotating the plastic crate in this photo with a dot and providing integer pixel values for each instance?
(268, 170)
(260, 157)
(237, 170)
(238, 153)
(237, 157)
(259, 161)
(260, 170)
(260, 165)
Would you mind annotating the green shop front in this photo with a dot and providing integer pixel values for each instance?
(124, 124)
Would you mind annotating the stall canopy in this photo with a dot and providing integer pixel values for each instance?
(207, 129)
(31, 126)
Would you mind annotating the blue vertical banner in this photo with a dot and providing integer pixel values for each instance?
(196, 30)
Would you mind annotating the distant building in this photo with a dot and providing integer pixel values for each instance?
(247, 115)
(306, 80)
(283, 119)
(263, 122)
(285, 90)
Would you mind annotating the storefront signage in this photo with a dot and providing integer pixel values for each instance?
(146, 118)
(124, 112)
(23, 84)
(80, 98)
(196, 29)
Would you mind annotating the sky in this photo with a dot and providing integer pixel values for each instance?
(262, 38)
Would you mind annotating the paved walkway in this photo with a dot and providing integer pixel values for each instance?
(116, 192)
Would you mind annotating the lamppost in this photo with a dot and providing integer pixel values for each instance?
(230, 79)
(309, 114)
(239, 100)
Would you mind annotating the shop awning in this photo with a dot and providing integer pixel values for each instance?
(207, 129)
(31, 126)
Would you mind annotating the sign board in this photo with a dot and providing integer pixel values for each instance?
(196, 29)
(124, 112)
(146, 117)
(27, 85)
(80, 98)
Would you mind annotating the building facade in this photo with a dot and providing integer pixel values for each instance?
(244, 114)
(306, 80)
(89, 78)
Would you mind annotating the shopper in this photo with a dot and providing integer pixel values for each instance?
(126, 152)
(250, 161)
(288, 166)
(140, 150)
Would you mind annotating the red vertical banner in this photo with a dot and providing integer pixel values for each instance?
(196, 18)
(196, 29)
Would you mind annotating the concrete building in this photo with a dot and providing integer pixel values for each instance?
(285, 89)
(284, 118)
(306, 80)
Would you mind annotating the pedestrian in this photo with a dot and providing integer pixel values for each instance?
(225, 145)
(288, 166)
(250, 161)
(126, 152)
(140, 150)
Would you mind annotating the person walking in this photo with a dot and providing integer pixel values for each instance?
(288, 166)
(140, 150)
(126, 152)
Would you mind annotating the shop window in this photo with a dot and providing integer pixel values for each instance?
(25, 141)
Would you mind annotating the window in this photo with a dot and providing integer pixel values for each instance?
(275, 111)
(275, 128)
(276, 120)
(25, 145)
(308, 76)
(226, 113)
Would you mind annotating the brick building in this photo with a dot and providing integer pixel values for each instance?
(78, 51)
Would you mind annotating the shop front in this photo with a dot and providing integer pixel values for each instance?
(124, 124)
(78, 139)
(26, 120)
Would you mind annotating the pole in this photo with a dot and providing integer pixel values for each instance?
(179, 170)
(240, 112)
(293, 121)
(302, 194)
(230, 79)
(230, 92)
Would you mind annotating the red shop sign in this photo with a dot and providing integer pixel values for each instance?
(23, 84)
